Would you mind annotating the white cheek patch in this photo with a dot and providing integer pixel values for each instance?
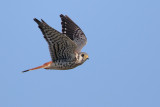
(79, 59)
(76, 56)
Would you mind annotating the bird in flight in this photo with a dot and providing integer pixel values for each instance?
(65, 48)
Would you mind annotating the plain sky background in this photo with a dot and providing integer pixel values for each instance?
(123, 45)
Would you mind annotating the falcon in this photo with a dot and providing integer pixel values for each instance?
(65, 48)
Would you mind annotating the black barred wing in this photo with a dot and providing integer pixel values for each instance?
(61, 47)
(70, 29)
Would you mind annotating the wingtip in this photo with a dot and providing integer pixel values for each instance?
(43, 21)
(39, 22)
(61, 15)
(36, 20)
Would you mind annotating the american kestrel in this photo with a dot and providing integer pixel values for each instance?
(65, 48)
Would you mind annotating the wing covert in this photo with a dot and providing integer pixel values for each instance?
(61, 47)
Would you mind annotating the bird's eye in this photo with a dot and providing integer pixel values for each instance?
(82, 55)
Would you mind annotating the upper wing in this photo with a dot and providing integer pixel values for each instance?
(61, 47)
(73, 32)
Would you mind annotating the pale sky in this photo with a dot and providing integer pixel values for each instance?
(123, 45)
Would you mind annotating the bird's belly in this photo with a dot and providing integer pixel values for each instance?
(62, 66)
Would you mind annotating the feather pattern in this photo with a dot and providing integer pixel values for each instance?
(61, 47)
(73, 31)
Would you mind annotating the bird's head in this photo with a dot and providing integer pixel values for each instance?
(82, 57)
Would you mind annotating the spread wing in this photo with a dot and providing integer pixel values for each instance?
(61, 47)
(70, 29)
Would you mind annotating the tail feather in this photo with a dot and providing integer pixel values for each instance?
(42, 66)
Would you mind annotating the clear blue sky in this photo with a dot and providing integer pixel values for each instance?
(123, 45)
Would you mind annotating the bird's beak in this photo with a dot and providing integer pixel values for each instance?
(86, 57)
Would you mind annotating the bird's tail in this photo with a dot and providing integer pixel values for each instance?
(42, 66)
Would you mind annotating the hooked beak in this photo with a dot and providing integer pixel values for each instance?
(86, 57)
